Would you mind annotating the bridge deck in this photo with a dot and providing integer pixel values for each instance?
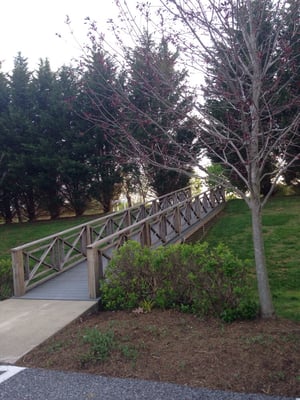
(71, 285)
(92, 245)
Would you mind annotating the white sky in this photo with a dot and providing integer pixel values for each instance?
(30, 26)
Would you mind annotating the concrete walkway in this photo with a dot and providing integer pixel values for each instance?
(24, 323)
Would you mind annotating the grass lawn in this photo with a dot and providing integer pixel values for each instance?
(281, 222)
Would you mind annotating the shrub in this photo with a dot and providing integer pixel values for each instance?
(189, 277)
(129, 279)
(6, 278)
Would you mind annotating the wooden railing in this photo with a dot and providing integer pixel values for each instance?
(169, 225)
(35, 262)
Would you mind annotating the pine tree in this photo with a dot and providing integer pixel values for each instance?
(156, 89)
(96, 100)
(24, 166)
(46, 126)
(6, 183)
(74, 169)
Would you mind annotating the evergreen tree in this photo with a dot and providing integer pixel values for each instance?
(99, 82)
(47, 123)
(159, 104)
(6, 183)
(74, 170)
(24, 166)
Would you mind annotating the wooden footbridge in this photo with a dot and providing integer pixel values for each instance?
(69, 264)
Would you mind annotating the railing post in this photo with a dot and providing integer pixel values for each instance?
(165, 203)
(86, 239)
(95, 271)
(143, 213)
(185, 194)
(163, 228)
(128, 218)
(222, 194)
(177, 220)
(109, 230)
(154, 207)
(57, 255)
(146, 235)
(217, 196)
(188, 211)
(205, 204)
(197, 206)
(18, 272)
(212, 198)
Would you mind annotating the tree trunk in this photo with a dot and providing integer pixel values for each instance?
(107, 206)
(265, 298)
(7, 211)
(18, 211)
(129, 202)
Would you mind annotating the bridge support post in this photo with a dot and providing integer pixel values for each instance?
(95, 271)
(18, 273)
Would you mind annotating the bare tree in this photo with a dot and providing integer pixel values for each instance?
(246, 45)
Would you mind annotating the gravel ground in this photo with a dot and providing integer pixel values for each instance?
(39, 384)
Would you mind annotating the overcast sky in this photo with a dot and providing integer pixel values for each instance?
(30, 26)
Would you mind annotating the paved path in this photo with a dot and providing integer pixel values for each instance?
(24, 324)
(38, 384)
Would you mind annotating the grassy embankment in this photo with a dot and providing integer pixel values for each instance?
(281, 222)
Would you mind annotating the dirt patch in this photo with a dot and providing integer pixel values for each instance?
(253, 357)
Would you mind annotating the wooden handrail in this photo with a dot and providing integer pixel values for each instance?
(45, 257)
(148, 218)
(172, 223)
(97, 220)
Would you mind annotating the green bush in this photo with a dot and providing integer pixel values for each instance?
(6, 278)
(189, 277)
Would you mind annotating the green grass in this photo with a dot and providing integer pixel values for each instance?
(281, 222)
